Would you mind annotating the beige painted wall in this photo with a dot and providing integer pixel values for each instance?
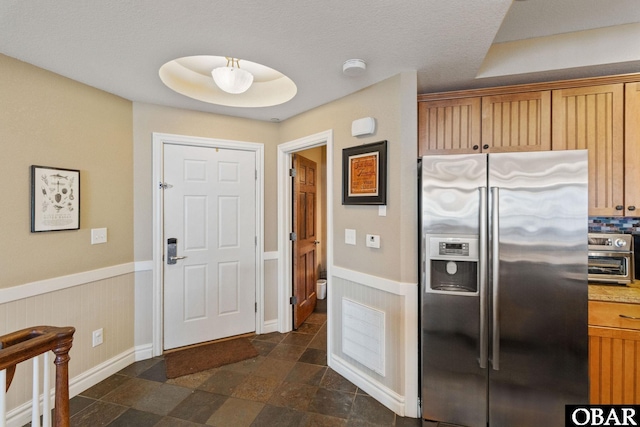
(53, 121)
(389, 102)
(149, 118)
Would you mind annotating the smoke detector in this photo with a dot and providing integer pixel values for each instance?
(354, 67)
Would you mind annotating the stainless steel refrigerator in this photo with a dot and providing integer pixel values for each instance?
(503, 288)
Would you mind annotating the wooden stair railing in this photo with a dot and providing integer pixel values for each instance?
(28, 343)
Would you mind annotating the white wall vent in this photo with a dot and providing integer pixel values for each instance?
(363, 334)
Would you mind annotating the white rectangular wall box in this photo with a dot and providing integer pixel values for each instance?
(364, 126)
(373, 241)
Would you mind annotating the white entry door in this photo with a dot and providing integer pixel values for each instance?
(210, 211)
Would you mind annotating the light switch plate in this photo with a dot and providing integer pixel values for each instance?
(349, 236)
(98, 235)
(373, 241)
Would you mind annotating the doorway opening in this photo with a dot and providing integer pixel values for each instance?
(323, 141)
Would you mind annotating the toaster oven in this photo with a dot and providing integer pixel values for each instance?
(611, 258)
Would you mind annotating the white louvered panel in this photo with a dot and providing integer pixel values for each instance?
(363, 334)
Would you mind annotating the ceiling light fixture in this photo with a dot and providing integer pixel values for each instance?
(232, 79)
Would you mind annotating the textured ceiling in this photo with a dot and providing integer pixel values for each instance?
(119, 46)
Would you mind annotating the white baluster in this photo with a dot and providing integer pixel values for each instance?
(46, 404)
(3, 402)
(35, 395)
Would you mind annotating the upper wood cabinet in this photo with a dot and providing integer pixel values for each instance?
(490, 124)
(450, 126)
(601, 114)
(593, 118)
(516, 122)
(632, 149)
(606, 120)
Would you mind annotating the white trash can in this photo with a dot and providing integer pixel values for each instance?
(321, 289)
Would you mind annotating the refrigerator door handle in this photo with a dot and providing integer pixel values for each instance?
(495, 278)
(484, 332)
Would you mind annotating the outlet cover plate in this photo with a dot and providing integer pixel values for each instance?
(97, 337)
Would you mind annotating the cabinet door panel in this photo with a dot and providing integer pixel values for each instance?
(592, 118)
(614, 366)
(449, 126)
(516, 122)
(632, 149)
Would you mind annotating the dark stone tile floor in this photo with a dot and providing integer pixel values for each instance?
(287, 384)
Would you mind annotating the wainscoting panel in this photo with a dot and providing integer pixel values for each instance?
(106, 303)
(390, 311)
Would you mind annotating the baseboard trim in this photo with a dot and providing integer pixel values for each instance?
(378, 391)
(143, 352)
(21, 415)
(270, 326)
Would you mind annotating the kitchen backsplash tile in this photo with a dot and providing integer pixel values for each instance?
(614, 224)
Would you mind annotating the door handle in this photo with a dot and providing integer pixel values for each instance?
(495, 282)
(482, 288)
(316, 242)
(172, 251)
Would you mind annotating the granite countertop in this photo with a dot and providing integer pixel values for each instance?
(628, 294)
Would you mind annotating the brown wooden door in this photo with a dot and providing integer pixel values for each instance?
(632, 150)
(516, 122)
(450, 126)
(304, 246)
(593, 118)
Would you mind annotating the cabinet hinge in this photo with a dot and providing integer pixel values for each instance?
(256, 307)
(292, 172)
(293, 300)
(293, 237)
(256, 174)
(256, 240)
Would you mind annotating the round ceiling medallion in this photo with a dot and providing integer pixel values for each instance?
(191, 76)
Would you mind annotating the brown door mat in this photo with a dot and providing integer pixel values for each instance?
(208, 356)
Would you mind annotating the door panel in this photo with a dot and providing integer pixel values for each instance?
(450, 126)
(454, 384)
(539, 352)
(304, 247)
(516, 122)
(592, 118)
(209, 207)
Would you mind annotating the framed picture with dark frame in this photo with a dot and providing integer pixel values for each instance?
(364, 174)
(55, 199)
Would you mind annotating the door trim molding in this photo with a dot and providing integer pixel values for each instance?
(159, 139)
(285, 151)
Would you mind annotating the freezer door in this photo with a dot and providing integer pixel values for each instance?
(449, 199)
(454, 384)
(539, 352)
